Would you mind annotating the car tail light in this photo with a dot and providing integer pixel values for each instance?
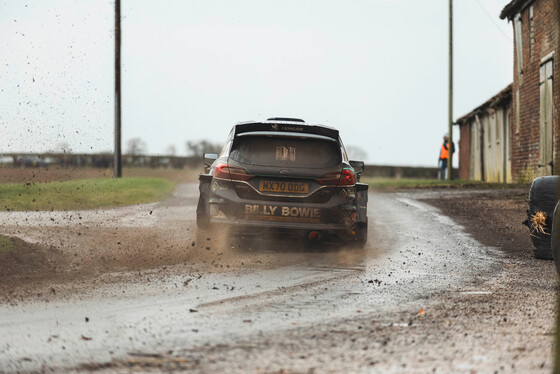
(344, 178)
(348, 178)
(222, 170)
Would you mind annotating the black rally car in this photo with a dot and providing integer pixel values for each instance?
(287, 176)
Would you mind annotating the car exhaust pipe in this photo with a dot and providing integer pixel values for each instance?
(314, 236)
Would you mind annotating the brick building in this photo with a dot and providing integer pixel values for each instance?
(484, 144)
(535, 130)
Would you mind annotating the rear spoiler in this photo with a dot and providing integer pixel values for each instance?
(286, 127)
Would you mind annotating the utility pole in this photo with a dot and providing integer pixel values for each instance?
(117, 150)
(450, 122)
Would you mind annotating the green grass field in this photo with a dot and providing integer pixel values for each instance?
(393, 183)
(82, 193)
(9, 174)
(6, 244)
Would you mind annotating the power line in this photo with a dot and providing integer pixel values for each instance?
(492, 19)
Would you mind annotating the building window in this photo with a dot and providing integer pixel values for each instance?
(518, 46)
(531, 32)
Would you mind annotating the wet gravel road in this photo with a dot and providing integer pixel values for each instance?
(424, 296)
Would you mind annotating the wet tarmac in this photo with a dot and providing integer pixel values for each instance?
(233, 320)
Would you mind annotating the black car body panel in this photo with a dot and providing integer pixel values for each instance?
(284, 175)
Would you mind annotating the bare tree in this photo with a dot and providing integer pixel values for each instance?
(171, 150)
(202, 146)
(136, 146)
(62, 147)
(356, 153)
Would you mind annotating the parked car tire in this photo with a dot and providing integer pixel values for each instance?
(543, 197)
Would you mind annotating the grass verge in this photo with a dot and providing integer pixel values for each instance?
(403, 183)
(6, 244)
(9, 174)
(82, 193)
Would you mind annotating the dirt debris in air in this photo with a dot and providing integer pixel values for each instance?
(75, 258)
(30, 265)
(53, 257)
(62, 258)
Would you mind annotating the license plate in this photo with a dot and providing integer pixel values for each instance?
(288, 187)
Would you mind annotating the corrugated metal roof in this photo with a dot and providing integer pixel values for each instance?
(495, 100)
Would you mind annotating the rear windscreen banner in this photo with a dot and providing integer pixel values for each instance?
(285, 153)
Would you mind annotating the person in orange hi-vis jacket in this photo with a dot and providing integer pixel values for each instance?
(444, 156)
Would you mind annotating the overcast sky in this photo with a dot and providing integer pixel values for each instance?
(374, 69)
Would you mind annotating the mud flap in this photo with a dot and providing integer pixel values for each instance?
(361, 216)
(361, 202)
(202, 209)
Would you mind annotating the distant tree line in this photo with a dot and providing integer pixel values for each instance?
(135, 154)
(200, 147)
(136, 147)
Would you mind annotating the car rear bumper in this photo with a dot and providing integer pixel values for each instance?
(281, 225)
(336, 218)
(256, 228)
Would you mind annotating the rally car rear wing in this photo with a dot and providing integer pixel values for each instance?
(281, 126)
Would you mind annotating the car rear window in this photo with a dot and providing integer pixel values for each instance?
(293, 152)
